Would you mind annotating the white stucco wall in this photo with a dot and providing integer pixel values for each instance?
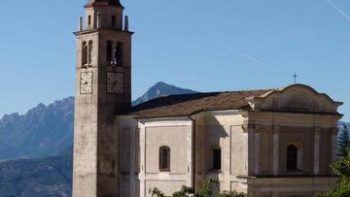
(175, 133)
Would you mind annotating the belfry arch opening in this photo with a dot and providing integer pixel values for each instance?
(90, 52)
(118, 53)
(84, 49)
(109, 51)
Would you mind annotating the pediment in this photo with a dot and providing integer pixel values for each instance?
(295, 98)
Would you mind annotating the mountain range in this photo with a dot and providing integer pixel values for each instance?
(43, 131)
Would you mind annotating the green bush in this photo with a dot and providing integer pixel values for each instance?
(342, 168)
(209, 188)
(232, 194)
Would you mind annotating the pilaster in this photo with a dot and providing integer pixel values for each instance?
(317, 150)
(190, 155)
(275, 150)
(334, 144)
(256, 132)
(142, 172)
(245, 148)
(253, 146)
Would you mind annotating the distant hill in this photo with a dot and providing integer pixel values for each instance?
(48, 177)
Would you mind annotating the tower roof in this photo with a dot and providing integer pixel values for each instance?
(115, 3)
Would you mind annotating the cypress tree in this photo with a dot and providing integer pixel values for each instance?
(343, 142)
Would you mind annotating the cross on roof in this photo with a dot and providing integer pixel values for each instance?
(295, 76)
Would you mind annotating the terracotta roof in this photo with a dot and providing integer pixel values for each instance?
(104, 3)
(188, 104)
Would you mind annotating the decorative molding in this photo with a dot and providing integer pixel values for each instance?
(245, 127)
(317, 131)
(276, 129)
(225, 112)
(251, 128)
(334, 131)
(166, 121)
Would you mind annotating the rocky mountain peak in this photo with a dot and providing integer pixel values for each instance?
(161, 89)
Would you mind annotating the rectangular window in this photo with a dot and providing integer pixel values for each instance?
(217, 159)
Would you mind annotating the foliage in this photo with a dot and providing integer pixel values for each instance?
(184, 192)
(343, 142)
(156, 192)
(342, 168)
(233, 194)
(209, 188)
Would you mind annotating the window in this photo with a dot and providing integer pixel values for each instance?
(90, 53)
(84, 51)
(109, 52)
(113, 21)
(217, 159)
(164, 158)
(292, 158)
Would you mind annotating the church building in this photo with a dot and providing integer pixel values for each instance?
(276, 142)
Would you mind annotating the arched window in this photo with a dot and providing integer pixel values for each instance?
(90, 53)
(164, 158)
(84, 51)
(117, 54)
(109, 51)
(292, 158)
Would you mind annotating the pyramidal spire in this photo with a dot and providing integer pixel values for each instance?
(92, 3)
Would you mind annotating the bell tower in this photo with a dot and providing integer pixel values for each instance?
(103, 90)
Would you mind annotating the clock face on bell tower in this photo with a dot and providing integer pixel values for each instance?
(86, 83)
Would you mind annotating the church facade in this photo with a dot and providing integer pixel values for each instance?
(270, 142)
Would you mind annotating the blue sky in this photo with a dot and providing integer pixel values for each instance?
(203, 45)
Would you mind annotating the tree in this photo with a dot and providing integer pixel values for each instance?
(343, 142)
(342, 168)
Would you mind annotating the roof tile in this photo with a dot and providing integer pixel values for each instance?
(188, 104)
